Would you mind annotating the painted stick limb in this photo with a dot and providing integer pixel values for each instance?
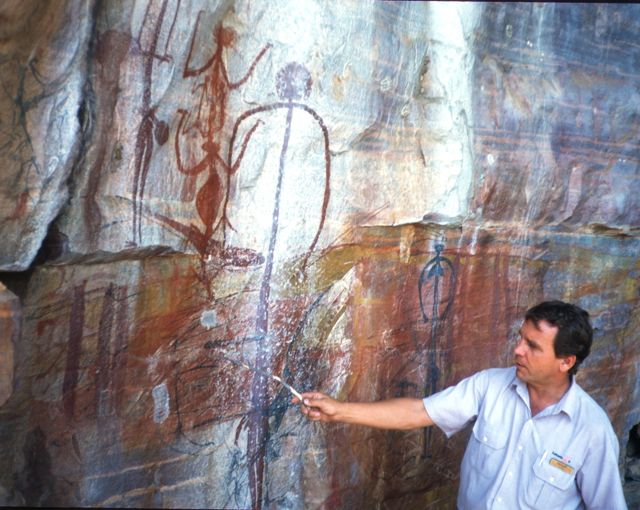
(230, 170)
(198, 167)
(187, 72)
(233, 165)
(434, 373)
(252, 67)
(144, 148)
(327, 180)
(173, 24)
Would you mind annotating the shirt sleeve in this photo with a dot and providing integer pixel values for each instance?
(453, 408)
(599, 478)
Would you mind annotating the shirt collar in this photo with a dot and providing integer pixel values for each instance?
(569, 401)
(567, 404)
(520, 388)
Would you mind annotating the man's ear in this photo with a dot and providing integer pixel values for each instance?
(567, 363)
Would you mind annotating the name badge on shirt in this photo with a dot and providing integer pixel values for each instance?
(562, 466)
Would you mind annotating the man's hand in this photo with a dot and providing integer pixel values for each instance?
(319, 407)
(396, 413)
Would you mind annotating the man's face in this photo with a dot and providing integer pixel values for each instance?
(535, 358)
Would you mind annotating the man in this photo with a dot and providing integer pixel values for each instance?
(539, 441)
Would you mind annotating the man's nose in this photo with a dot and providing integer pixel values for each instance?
(518, 349)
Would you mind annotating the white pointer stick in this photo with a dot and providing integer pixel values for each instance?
(291, 389)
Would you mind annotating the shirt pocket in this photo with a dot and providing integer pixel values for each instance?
(552, 487)
(486, 448)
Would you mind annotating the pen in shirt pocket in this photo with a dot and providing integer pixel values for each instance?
(544, 456)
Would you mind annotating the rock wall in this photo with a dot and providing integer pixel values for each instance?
(10, 321)
(44, 61)
(363, 197)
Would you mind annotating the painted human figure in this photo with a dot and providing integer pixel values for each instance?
(437, 288)
(293, 82)
(197, 144)
(205, 126)
(150, 126)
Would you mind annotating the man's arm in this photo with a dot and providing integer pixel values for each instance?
(396, 414)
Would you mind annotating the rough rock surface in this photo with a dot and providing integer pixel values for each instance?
(43, 48)
(10, 327)
(223, 103)
(363, 197)
(556, 116)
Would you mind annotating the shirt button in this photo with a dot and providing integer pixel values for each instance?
(551, 479)
(520, 447)
(499, 500)
(510, 473)
(485, 439)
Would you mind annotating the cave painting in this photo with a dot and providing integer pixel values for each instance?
(293, 82)
(150, 127)
(103, 397)
(198, 149)
(272, 329)
(436, 291)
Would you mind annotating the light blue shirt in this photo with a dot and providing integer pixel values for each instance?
(565, 457)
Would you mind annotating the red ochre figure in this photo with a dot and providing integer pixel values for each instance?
(207, 124)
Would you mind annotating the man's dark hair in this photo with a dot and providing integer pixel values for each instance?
(575, 333)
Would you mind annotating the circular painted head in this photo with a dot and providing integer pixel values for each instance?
(225, 37)
(293, 82)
